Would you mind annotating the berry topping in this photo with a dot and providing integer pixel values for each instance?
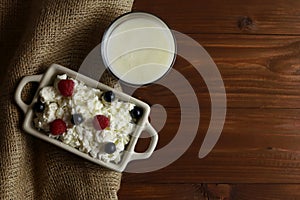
(77, 119)
(136, 113)
(109, 96)
(101, 122)
(58, 127)
(66, 87)
(39, 106)
(110, 148)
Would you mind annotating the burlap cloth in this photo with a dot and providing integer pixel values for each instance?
(35, 34)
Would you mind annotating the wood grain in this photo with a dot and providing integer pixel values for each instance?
(256, 46)
(250, 149)
(265, 192)
(257, 71)
(161, 191)
(214, 16)
(210, 191)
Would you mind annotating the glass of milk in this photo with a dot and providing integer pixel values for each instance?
(138, 48)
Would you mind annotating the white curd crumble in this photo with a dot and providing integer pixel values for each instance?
(84, 137)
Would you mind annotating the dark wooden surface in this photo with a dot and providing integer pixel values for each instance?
(256, 46)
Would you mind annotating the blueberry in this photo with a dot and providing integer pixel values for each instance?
(39, 106)
(136, 113)
(109, 96)
(77, 119)
(110, 147)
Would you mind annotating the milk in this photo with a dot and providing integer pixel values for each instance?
(140, 49)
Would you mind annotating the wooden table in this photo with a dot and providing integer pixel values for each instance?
(256, 46)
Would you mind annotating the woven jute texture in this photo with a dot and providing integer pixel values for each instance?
(35, 34)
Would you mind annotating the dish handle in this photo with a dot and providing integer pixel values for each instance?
(25, 80)
(154, 139)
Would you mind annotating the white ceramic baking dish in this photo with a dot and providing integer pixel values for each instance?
(48, 78)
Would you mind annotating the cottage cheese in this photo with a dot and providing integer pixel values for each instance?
(87, 101)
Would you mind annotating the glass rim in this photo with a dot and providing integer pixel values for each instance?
(110, 30)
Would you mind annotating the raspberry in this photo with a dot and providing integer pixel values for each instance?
(101, 122)
(66, 87)
(58, 127)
